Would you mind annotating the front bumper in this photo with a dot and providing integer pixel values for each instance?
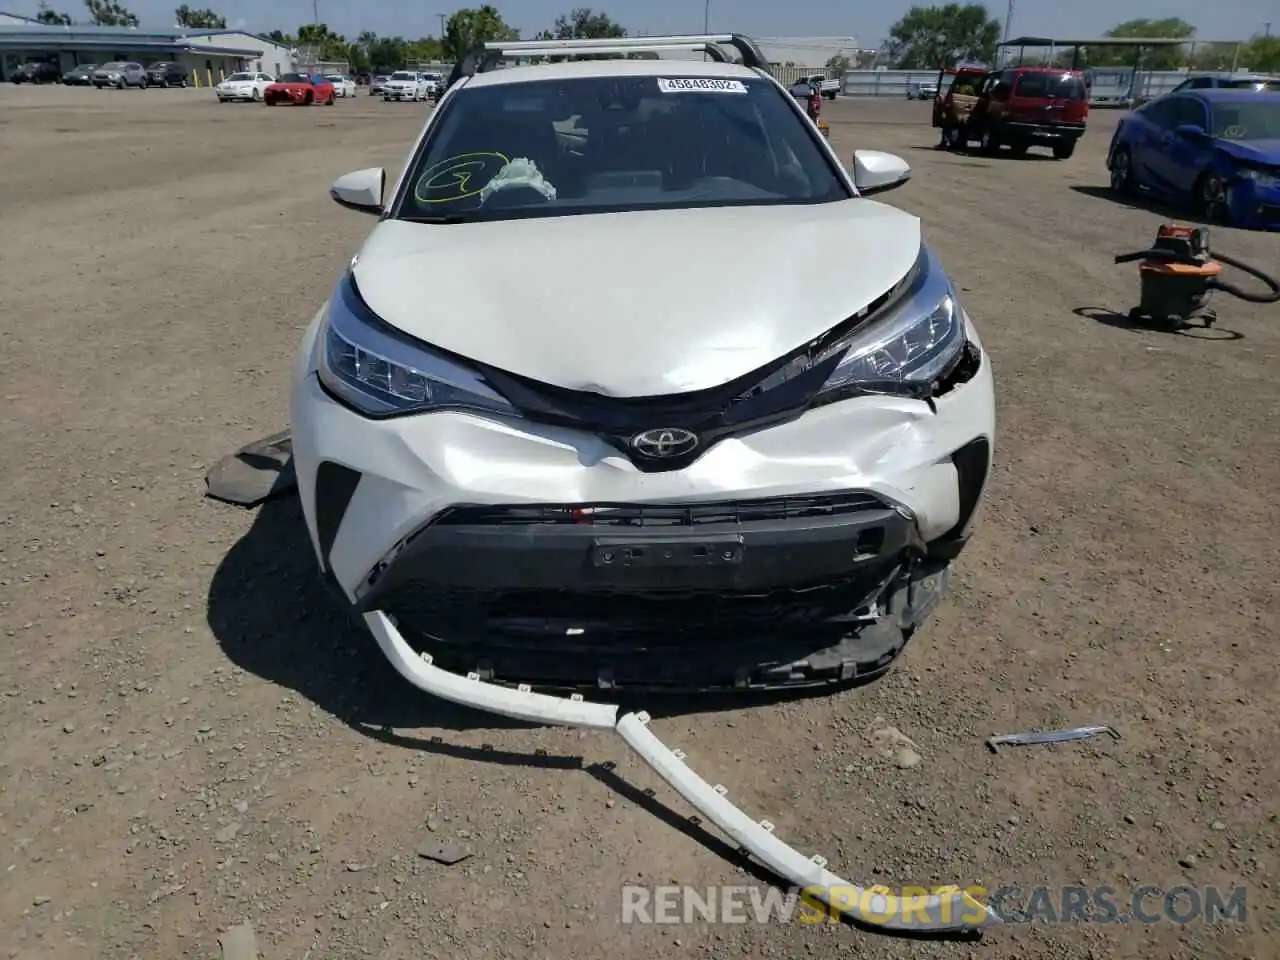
(837, 526)
(1254, 205)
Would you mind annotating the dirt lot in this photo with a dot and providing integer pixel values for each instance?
(192, 738)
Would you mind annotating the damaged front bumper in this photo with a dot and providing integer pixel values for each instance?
(948, 909)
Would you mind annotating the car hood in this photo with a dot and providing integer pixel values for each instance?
(1257, 151)
(636, 304)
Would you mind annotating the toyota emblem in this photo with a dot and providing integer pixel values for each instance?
(664, 442)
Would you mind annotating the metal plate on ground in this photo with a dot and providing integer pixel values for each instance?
(260, 471)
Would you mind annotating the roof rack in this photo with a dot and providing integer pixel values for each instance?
(487, 56)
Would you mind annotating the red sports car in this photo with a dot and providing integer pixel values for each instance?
(298, 88)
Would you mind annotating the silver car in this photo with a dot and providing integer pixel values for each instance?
(120, 74)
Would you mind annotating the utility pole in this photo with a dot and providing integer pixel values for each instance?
(441, 16)
(315, 12)
(1267, 31)
(1008, 20)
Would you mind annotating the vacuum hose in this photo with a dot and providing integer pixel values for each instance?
(1272, 297)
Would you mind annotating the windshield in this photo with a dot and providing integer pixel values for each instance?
(621, 143)
(295, 78)
(1247, 120)
(401, 75)
(334, 78)
(238, 77)
(113, 65)
(1253, 84)
(1059, 86)
(159, 65)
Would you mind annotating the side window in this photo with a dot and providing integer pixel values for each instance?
(1201, 83)
(1187, 110)
(1000, 86)
(1160, 113)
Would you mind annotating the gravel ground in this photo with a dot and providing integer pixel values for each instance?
(191, 738)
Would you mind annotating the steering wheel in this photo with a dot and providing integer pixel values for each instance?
(1235, 132)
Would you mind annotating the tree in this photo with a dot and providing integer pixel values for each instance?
(184, 16)
(52, 17)
(328, 45)
(837, 66)
(582, 24)
(937, 37)
(1153, 58)
(1261, 53)
(470, 27)
(107, 13)
(280, 37)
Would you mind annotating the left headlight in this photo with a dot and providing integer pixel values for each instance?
(1260, 177)
(902, 348)
(380, 372)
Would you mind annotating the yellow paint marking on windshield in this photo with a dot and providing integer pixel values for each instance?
(451, 179)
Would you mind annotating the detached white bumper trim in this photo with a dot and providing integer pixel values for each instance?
(947, 909)
(471, 691)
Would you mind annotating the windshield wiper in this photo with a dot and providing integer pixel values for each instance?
(443, 218)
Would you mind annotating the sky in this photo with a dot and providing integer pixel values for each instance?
(1220, 20)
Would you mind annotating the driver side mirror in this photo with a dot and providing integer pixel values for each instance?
(875, 172)
(360, 190)
(1189, 131)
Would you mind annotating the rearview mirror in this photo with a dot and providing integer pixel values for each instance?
(874, 171)
(361, 189)
(1189, 131)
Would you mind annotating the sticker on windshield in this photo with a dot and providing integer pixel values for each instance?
(700, 85)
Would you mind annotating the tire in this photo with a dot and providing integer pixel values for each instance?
(308, 100)
(956, 139)
(183, 84)
(990, 142)
(1211, 198)
(257, 94)
(119, 84)
(1019, 149)
(329, 102)
(1063, 151)
(1122, 179)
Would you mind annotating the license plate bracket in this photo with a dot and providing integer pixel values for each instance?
(622, 553)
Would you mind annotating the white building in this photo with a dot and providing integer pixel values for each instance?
(273, 58)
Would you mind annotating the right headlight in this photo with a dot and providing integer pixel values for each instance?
(380, 372)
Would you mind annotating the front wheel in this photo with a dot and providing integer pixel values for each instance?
(1122, 172)
(329, 102)
(257, 94)
(1211, 198)
(183, 84)
(954, 138)
(1063, 151)
(1018, 149)
(990, 142)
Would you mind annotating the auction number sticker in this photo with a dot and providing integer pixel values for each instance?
(700, 85)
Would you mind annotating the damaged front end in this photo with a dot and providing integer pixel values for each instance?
(738, 595)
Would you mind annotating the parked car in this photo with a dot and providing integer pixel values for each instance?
(37, 72)
(405, 85)
(1024, 107)
(1214, 150)
(166, 73)
(924, 90)
(435, 84)
(120, 74)
(243, 86)
(342, 86)
(80, 76)
(826, 88)
(375, 84)
(299, 89)
(1237, 82)
(363, 78)
(526, 513)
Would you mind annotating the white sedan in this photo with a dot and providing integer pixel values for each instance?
(342, 86)
(243, 86)
(405, 85)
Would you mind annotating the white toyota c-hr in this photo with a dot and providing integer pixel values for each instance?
(632, 386)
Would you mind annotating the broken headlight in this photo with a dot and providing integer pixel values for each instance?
(916, 342)
(380, 372)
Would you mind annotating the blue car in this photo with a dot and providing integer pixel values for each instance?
(1216, 149)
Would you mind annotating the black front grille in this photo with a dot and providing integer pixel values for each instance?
(643, 639)
(663, 515)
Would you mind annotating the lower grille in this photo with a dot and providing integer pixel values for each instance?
(663, 515)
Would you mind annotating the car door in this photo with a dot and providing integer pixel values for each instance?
(1155, 124)
(1183, 158)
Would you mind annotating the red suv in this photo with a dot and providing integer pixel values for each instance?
(1024, 107)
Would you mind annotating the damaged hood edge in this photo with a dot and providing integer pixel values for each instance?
(636, 304)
